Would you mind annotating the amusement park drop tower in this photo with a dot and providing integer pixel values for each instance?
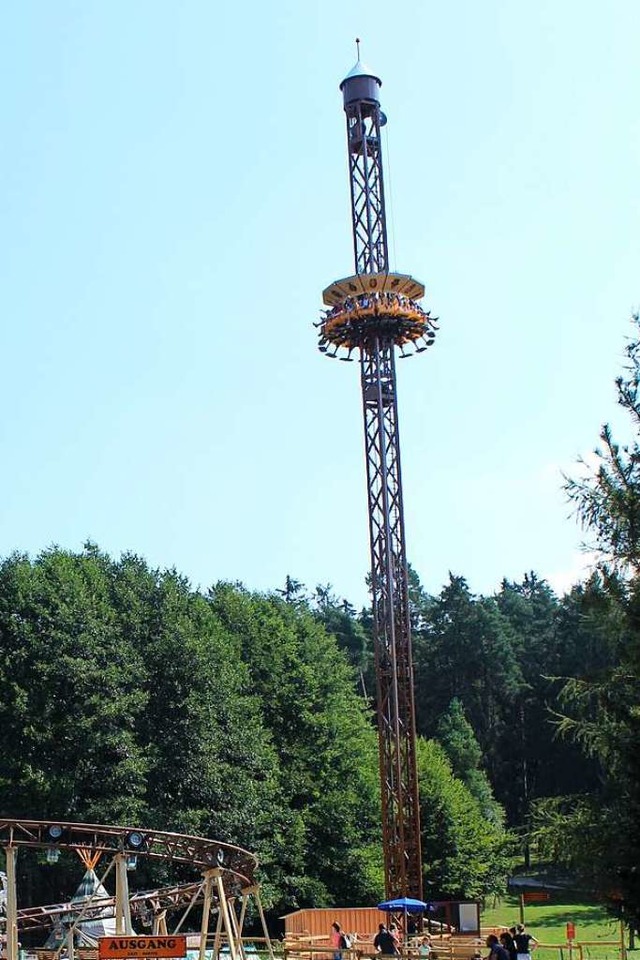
(372, 313)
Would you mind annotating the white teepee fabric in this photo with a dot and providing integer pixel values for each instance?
(95, 923)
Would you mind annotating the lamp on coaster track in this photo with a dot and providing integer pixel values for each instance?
(216, 856)
(135, 840)
(54, 834)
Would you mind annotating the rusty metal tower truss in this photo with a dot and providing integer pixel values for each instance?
(372, 314)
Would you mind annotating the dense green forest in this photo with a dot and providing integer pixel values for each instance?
(128, 696)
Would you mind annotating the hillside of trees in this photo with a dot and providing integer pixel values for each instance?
(130, 697)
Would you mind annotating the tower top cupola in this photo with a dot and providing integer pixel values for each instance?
(360, 83)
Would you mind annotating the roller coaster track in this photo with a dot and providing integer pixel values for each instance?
(238, 865)
(226, 874)
(164, 898)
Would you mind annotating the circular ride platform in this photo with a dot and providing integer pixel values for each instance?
(380, 306)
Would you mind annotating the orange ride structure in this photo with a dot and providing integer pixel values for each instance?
(224, 884)
(371, 315)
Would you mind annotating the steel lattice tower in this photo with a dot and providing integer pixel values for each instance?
(373, 313)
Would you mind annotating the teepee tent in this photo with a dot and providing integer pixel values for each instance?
(98, 922)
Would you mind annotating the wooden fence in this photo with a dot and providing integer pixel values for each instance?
(455, 948)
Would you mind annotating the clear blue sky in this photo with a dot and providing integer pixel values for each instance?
(174, 197)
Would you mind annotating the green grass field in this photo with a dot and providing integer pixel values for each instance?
(547, 922)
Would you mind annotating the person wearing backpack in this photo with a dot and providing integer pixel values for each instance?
(385, 942)
(336, 940)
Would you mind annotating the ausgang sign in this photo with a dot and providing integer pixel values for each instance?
(120, 948)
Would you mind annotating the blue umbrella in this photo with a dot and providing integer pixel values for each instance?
(404, 903)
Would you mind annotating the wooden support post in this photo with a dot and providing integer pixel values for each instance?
(243, 910)
(71, 935)
(236, 928)
(206, 912)
(178, 927)
(226, 918)
(12, 903)
(123, 908)
(218, 937)
(522, 908)
(256, 892)
(160, 924)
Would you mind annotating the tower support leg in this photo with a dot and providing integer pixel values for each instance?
(391, 624)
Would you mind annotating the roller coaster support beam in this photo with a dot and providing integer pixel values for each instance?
(206, 913)
(246, 893)
(123, 910)
(12, 903)
(243, 910)
(224, 910)
(236, 928)
(184, 916)
(218, 938)
(160, 924)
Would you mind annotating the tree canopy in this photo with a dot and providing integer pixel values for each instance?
(598, 833)
(131, 697)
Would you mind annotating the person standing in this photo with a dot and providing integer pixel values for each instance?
(385, 942)
(525, 943)
(496, 950)
(507, 941)
(336, 940)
